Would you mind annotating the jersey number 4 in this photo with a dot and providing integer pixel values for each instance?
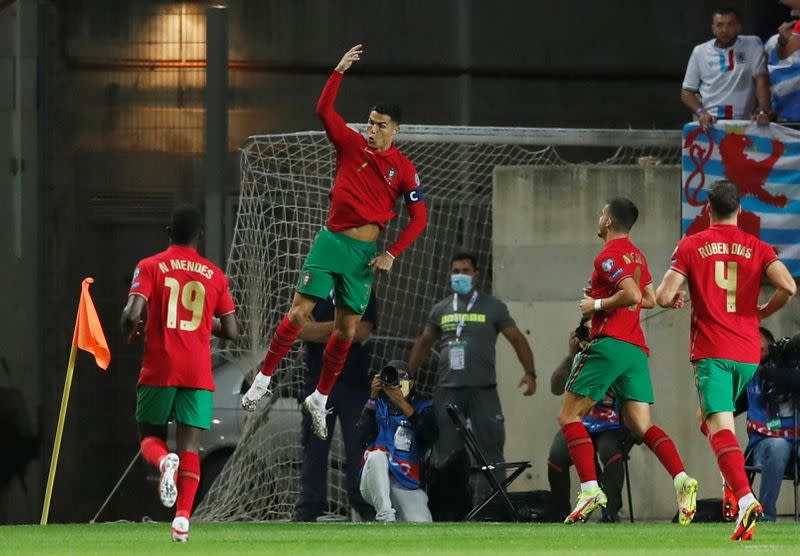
(725, 277)
(192, 298)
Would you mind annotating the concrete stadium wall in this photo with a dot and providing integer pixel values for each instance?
(544, 242)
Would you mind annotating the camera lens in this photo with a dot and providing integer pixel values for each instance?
(390, 376)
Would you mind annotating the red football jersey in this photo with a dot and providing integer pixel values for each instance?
(184, 291)
(724, 266)
(368, 183)
(619, 259)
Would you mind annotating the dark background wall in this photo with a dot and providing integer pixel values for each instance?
(115, 103)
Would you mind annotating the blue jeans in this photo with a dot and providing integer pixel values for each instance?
(774, 456)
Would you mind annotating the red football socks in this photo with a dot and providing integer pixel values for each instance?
(704, 429)
(332, 362)
(581, 450)
(154, 450)
(188, 481)
(281, 343)
(731, 461)
(664, 449)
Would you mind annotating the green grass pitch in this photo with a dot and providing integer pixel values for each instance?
(290, 539)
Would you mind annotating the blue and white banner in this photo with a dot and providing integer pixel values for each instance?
(764, 161)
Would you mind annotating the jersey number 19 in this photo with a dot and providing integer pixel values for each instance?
(192, 298)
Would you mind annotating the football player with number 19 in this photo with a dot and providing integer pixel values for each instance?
(724, 267)
(371, 174)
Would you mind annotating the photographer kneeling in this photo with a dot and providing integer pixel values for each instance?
(398, 429)
(771, 396)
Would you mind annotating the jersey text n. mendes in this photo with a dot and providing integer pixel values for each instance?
(724, 267)
(184, 291)
(618, 260)
(368, 183)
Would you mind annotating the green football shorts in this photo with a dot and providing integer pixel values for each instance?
(159, 405)
(720, 382)
(339, 263)
(611, 364)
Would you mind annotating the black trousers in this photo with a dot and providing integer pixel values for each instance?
(347, 401)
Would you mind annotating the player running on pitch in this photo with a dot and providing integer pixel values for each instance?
(616, 359)
(724, 267)
(371, 173)
(185, 299)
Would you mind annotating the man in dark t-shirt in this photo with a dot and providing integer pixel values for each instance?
(465, 326)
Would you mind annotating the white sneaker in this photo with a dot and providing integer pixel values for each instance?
(167, 487)
(258, 390)
(180, 529)
(318, 414)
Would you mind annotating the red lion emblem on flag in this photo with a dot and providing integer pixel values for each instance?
(750, 175)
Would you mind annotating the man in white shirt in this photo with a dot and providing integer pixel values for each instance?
(726, 77)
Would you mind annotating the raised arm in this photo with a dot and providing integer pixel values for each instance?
(334, 124)
(789, 39)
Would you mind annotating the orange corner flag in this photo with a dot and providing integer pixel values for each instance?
(88, 334)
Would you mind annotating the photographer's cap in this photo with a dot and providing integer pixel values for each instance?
(398, 365)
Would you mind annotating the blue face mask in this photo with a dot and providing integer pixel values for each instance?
(461, 283)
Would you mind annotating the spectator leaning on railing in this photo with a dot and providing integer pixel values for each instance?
(726, 78)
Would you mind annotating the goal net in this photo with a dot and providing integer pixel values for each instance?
(283, 202)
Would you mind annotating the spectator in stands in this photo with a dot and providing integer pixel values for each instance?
(771, 395)
(465, 326)
(347, 398)
(789, 43)
(606, 432)
(784, 72)
(726, 77)
(397, 429)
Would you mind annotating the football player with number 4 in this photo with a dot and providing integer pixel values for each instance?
(616, 360)
(371, 175)
(185, 299)
(724, 267)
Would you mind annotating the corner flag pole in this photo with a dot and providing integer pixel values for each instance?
(62, 416)
(88, 336)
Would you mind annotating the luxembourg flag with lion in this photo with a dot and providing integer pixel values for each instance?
(764, 161)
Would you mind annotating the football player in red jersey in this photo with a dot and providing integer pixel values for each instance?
(724, 267)
(185, 299)
(616, 360)
(371, 174)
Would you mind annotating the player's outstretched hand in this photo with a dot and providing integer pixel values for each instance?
(382, 263)
(352, 55)
(529, 382)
